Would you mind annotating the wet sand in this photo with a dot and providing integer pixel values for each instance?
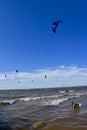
(58, 127)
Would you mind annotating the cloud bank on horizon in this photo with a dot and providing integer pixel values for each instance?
(62, 76)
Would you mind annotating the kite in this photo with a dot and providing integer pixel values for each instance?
(5, 76)
(18, 82)
(16, 71)
(45, 76)
(55, 24)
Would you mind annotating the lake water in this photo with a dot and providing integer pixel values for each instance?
(43, 109)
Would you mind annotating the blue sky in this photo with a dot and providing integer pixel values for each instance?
(27, 42)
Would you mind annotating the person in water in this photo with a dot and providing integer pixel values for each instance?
(76, 105)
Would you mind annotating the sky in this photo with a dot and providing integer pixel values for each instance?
(28, 44)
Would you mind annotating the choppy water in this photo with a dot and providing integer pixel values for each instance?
(43, 109)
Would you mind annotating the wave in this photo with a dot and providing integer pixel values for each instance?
(63, 99)
(66, 91)
(53, 99)
(61, 91)
(58, 101)
(78, 94)
(37, 98)
(47, 100)
(7, 102)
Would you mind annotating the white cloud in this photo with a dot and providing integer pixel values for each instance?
(68, 75)
(62, 67)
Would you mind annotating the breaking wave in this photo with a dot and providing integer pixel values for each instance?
(46, 100)
(7, 102)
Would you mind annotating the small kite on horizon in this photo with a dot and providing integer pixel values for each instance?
(45, 76)
(16, 71)
(5, 76)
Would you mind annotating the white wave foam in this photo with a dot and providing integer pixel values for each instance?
(7, 102)
(58, 101)
(62, 99)
(61, 91)
(71, 91)
(78, 94)
(36, 98)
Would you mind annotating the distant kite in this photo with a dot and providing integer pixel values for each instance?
(18, 82)
(16, 71)
(32, 80)
(45, 76)
(5, 76)
(55, 24)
